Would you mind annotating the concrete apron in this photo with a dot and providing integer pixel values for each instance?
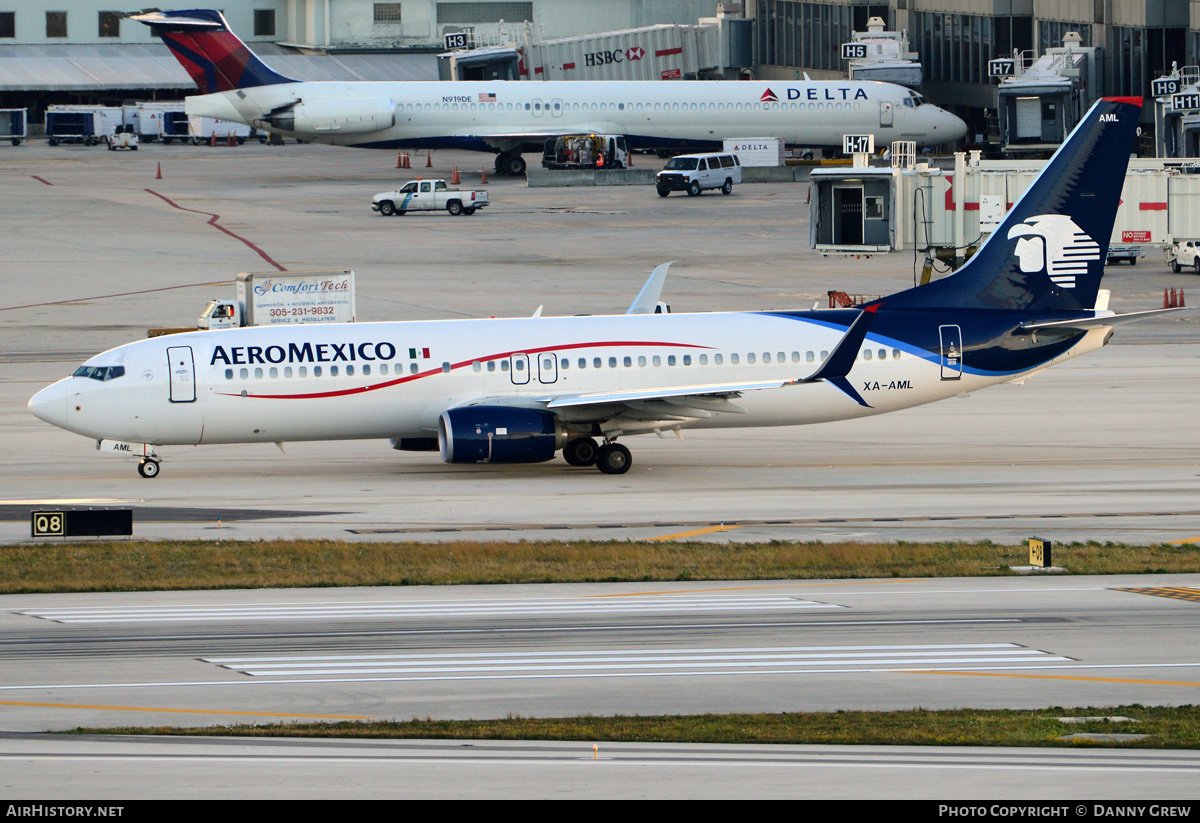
(538, 177)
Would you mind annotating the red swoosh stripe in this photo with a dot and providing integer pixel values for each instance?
(408, 378)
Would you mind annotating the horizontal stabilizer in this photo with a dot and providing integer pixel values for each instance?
(1099, 321)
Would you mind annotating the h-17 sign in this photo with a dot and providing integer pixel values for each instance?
(858, 143)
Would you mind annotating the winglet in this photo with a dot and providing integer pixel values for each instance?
(841, 359)
(647, 298)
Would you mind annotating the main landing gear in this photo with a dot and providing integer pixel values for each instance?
(148, 468)
(611, 458)
(510, 164)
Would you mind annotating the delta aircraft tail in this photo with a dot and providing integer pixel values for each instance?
(212, 54)
(1049, 252)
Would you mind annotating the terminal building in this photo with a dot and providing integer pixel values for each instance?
(84, 52)
(1134, 41)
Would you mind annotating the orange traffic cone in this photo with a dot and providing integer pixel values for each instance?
(212, 139)
(1181, 303)
(159, 175)
(1166, 305)
(429, 160)
(454, 176)
(483, 177)
(399, 159)
(230, 141)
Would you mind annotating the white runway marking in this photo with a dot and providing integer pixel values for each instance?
(636, 662)
(877, 668)
(431, 608)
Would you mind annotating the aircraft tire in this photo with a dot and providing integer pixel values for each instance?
(454, 207)
(728, 187)
(581, 452)
(512, 165)
(148, 468)
(613, 458)
(694, 189)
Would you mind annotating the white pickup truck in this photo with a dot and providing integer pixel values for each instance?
(428, 195)
(1184, 254)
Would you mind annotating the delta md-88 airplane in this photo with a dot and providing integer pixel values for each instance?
(508, 117)
(519, 390)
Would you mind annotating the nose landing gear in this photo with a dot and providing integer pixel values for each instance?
(148, 468)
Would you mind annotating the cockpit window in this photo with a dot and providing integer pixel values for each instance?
(101, 373)
(914, 100)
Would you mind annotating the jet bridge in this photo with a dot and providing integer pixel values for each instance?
(1040, 102)
(948, 212)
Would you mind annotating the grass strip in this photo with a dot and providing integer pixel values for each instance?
(1165, 727)
(176, 565)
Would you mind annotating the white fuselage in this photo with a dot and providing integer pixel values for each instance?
(391, 380)
(502, 115)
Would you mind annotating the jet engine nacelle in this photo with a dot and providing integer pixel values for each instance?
(337, 116)
(498, 434)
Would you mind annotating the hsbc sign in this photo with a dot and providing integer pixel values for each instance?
(603, 58)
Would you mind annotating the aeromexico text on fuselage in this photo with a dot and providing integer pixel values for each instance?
(840, 93)
(302, 353)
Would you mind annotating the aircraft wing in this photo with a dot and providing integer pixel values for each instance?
(1099, 321)
(833, 370)
(540, 134)
(698, 390)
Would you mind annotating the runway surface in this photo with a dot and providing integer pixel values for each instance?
(212, 658)
(295, 769)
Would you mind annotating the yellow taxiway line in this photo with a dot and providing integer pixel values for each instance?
(695, 533)
(1066, 677)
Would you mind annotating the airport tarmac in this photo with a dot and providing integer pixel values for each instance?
(208, 658)
(121, 768)
(98, 250)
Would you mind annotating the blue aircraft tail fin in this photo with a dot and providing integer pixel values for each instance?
(1049, 251)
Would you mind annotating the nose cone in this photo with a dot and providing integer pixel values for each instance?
(950, 127)
(50, 404)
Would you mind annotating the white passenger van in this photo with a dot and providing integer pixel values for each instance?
(694, 173)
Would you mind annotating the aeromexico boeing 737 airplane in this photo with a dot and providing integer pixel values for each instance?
(519, 390)
(508, 117)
